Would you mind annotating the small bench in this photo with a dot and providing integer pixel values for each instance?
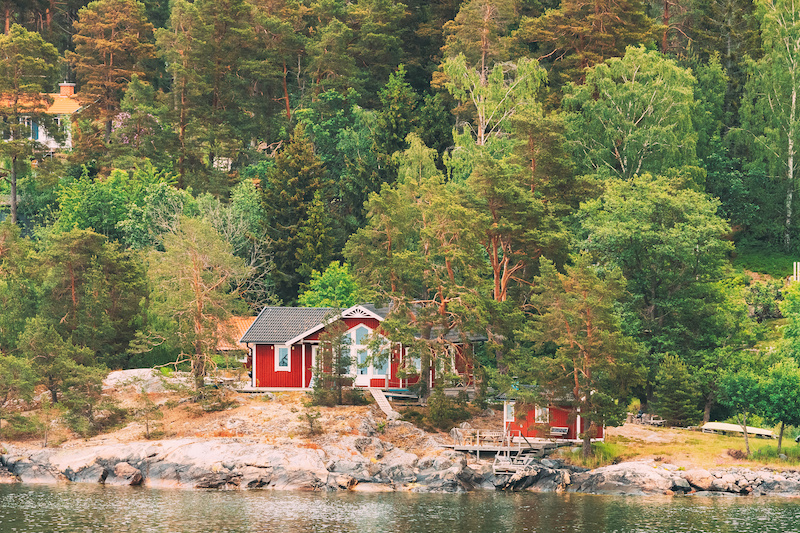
(559, 431)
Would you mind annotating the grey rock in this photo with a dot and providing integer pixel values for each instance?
(6, 477)
(680, 485)
(124, 474)
(699, 478)
(93, 473)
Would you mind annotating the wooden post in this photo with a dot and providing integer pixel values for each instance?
(796, 272)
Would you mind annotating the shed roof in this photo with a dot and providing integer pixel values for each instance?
(233, 329)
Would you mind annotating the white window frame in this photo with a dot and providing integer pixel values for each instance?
(356, 348)
(278, 366)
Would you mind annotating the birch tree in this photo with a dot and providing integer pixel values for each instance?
(770, 108)
(633, 115)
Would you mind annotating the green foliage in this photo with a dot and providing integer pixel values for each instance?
(148, 413)
(291, 189)
(310, 416)
(112, 40)
(212, 399)
(240, 222)
(781, 395)
(764, 299)
(790, 308)
(109, 206)
(53, 358)
(676, 394)
(18, 295)
(20, 427)
(496, 96)
(668, 241)
(28, 67)
(576, 35)
(769, 114)
(741, 390)
(773, 263)
(595, 364)
(335, 287)
(419, 251)
(142, 131)
(332, 371)
(195, 287)
(444, 412)
(603, 454)
(17, 381)
(88, 411)
(633, 115)
(91, 291)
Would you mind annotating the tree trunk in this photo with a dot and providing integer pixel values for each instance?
(13, 193)
(780, 438)
(286, 93)
(424, 376)
(787, 230)
(586, 452)
(743, 423)
(707, 410)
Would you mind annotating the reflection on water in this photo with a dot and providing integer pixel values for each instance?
(89, 508)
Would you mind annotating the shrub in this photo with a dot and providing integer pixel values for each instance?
(445, 413)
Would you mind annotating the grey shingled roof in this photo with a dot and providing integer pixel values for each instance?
(382, 312)
(277, 325)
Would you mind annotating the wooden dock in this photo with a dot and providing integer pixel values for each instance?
(534, 449)
(498, 443)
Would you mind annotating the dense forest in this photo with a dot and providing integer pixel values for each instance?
(570, 180)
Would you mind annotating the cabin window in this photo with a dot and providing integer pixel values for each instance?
(362, 363)
(362, 335)
(381, 365)
(283, 360)
(541, 415)
(510, 411)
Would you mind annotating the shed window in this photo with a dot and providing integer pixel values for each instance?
(283, 360)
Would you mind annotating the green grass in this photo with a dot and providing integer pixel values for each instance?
(775, 264)
(603, 453)
(689, 449)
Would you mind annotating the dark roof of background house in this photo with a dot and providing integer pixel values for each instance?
(382, 312)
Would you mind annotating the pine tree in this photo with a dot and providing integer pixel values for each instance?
(112, 41)
(28, 66)
(579, 34)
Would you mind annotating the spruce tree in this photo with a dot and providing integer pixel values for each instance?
(676, 395)
(289, 191)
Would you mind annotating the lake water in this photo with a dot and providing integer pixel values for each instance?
(90, 508)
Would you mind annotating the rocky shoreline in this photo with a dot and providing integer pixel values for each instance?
(362, 463)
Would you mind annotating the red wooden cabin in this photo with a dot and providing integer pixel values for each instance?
(283, 344)
(552, 422)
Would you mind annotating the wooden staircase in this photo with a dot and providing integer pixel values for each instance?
(383, 403)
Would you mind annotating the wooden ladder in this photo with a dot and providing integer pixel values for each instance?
(383, 403)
